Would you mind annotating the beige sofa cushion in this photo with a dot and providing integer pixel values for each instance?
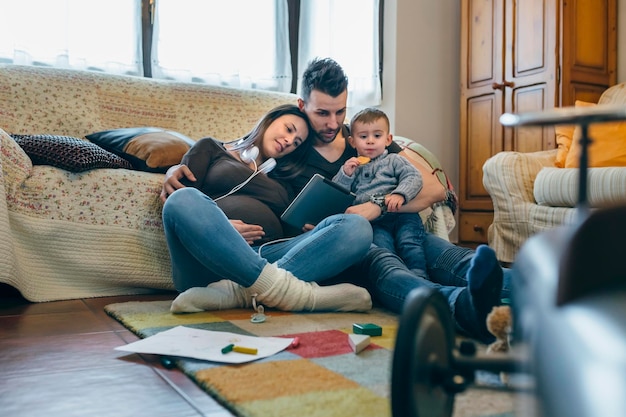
(558, 187)
(614, 95)
(55, 101)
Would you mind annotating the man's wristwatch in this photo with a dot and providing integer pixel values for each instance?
(379, 200)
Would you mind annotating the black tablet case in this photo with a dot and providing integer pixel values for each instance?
(318, 199)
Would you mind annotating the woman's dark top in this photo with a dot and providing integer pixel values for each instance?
(261, 201)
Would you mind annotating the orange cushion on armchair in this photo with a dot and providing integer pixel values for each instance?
(564, 135)
(607, 148)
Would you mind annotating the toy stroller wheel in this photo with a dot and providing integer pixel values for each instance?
(422, 357)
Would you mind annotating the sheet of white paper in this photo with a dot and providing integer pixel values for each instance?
(206, 344)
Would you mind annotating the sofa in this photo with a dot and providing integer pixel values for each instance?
(536, 191)
(81, 217)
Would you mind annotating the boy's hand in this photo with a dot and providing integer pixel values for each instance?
(350, 166)
(394, 202)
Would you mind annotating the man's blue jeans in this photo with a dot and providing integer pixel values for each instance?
(389, 280)
(447, 264)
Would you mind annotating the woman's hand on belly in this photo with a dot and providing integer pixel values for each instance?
(250, 232)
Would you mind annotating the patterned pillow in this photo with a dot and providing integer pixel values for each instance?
(71, 154)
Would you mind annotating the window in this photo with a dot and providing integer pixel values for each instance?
(244, 45)
(238, 43)
(347, 31)
(72, 34)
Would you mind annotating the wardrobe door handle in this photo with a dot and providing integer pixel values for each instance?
(496, 86)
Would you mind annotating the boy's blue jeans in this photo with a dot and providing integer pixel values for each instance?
(403, 234)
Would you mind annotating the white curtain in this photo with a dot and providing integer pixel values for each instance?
(347, 31)
(81, 34)
(238, 43)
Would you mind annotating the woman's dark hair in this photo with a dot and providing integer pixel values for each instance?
(324, 75)
(290, 165)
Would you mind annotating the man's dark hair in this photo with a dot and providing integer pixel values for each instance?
(324, 75)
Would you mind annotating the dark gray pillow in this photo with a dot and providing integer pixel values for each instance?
(69, 153)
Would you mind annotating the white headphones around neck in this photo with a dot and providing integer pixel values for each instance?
(267, 166)
(248, 153)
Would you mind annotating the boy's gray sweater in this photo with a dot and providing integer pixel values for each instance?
(385, 174)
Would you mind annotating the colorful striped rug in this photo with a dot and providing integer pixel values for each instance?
(322, 376)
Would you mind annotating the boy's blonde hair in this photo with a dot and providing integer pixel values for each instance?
(369, 115)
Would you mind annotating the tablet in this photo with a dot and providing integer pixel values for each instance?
(318, 199)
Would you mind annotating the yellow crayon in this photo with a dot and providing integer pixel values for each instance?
(241, 349)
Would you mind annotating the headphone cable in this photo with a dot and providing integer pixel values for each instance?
(239, 186)
(271, 242)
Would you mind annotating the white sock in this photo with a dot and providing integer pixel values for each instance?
(221, 295)
(280, 289)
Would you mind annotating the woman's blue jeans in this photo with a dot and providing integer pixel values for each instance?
(204, 247)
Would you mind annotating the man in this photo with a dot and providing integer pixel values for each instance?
(470, 281)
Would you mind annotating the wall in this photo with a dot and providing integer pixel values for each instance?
(421, 74)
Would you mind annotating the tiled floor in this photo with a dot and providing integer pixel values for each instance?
(57, 359)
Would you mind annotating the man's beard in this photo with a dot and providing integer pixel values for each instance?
(325, 137)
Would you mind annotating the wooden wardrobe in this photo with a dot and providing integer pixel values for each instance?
(519, 56)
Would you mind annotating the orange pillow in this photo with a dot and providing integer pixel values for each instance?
(150, 149)
(564, 135)
(607, 148)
